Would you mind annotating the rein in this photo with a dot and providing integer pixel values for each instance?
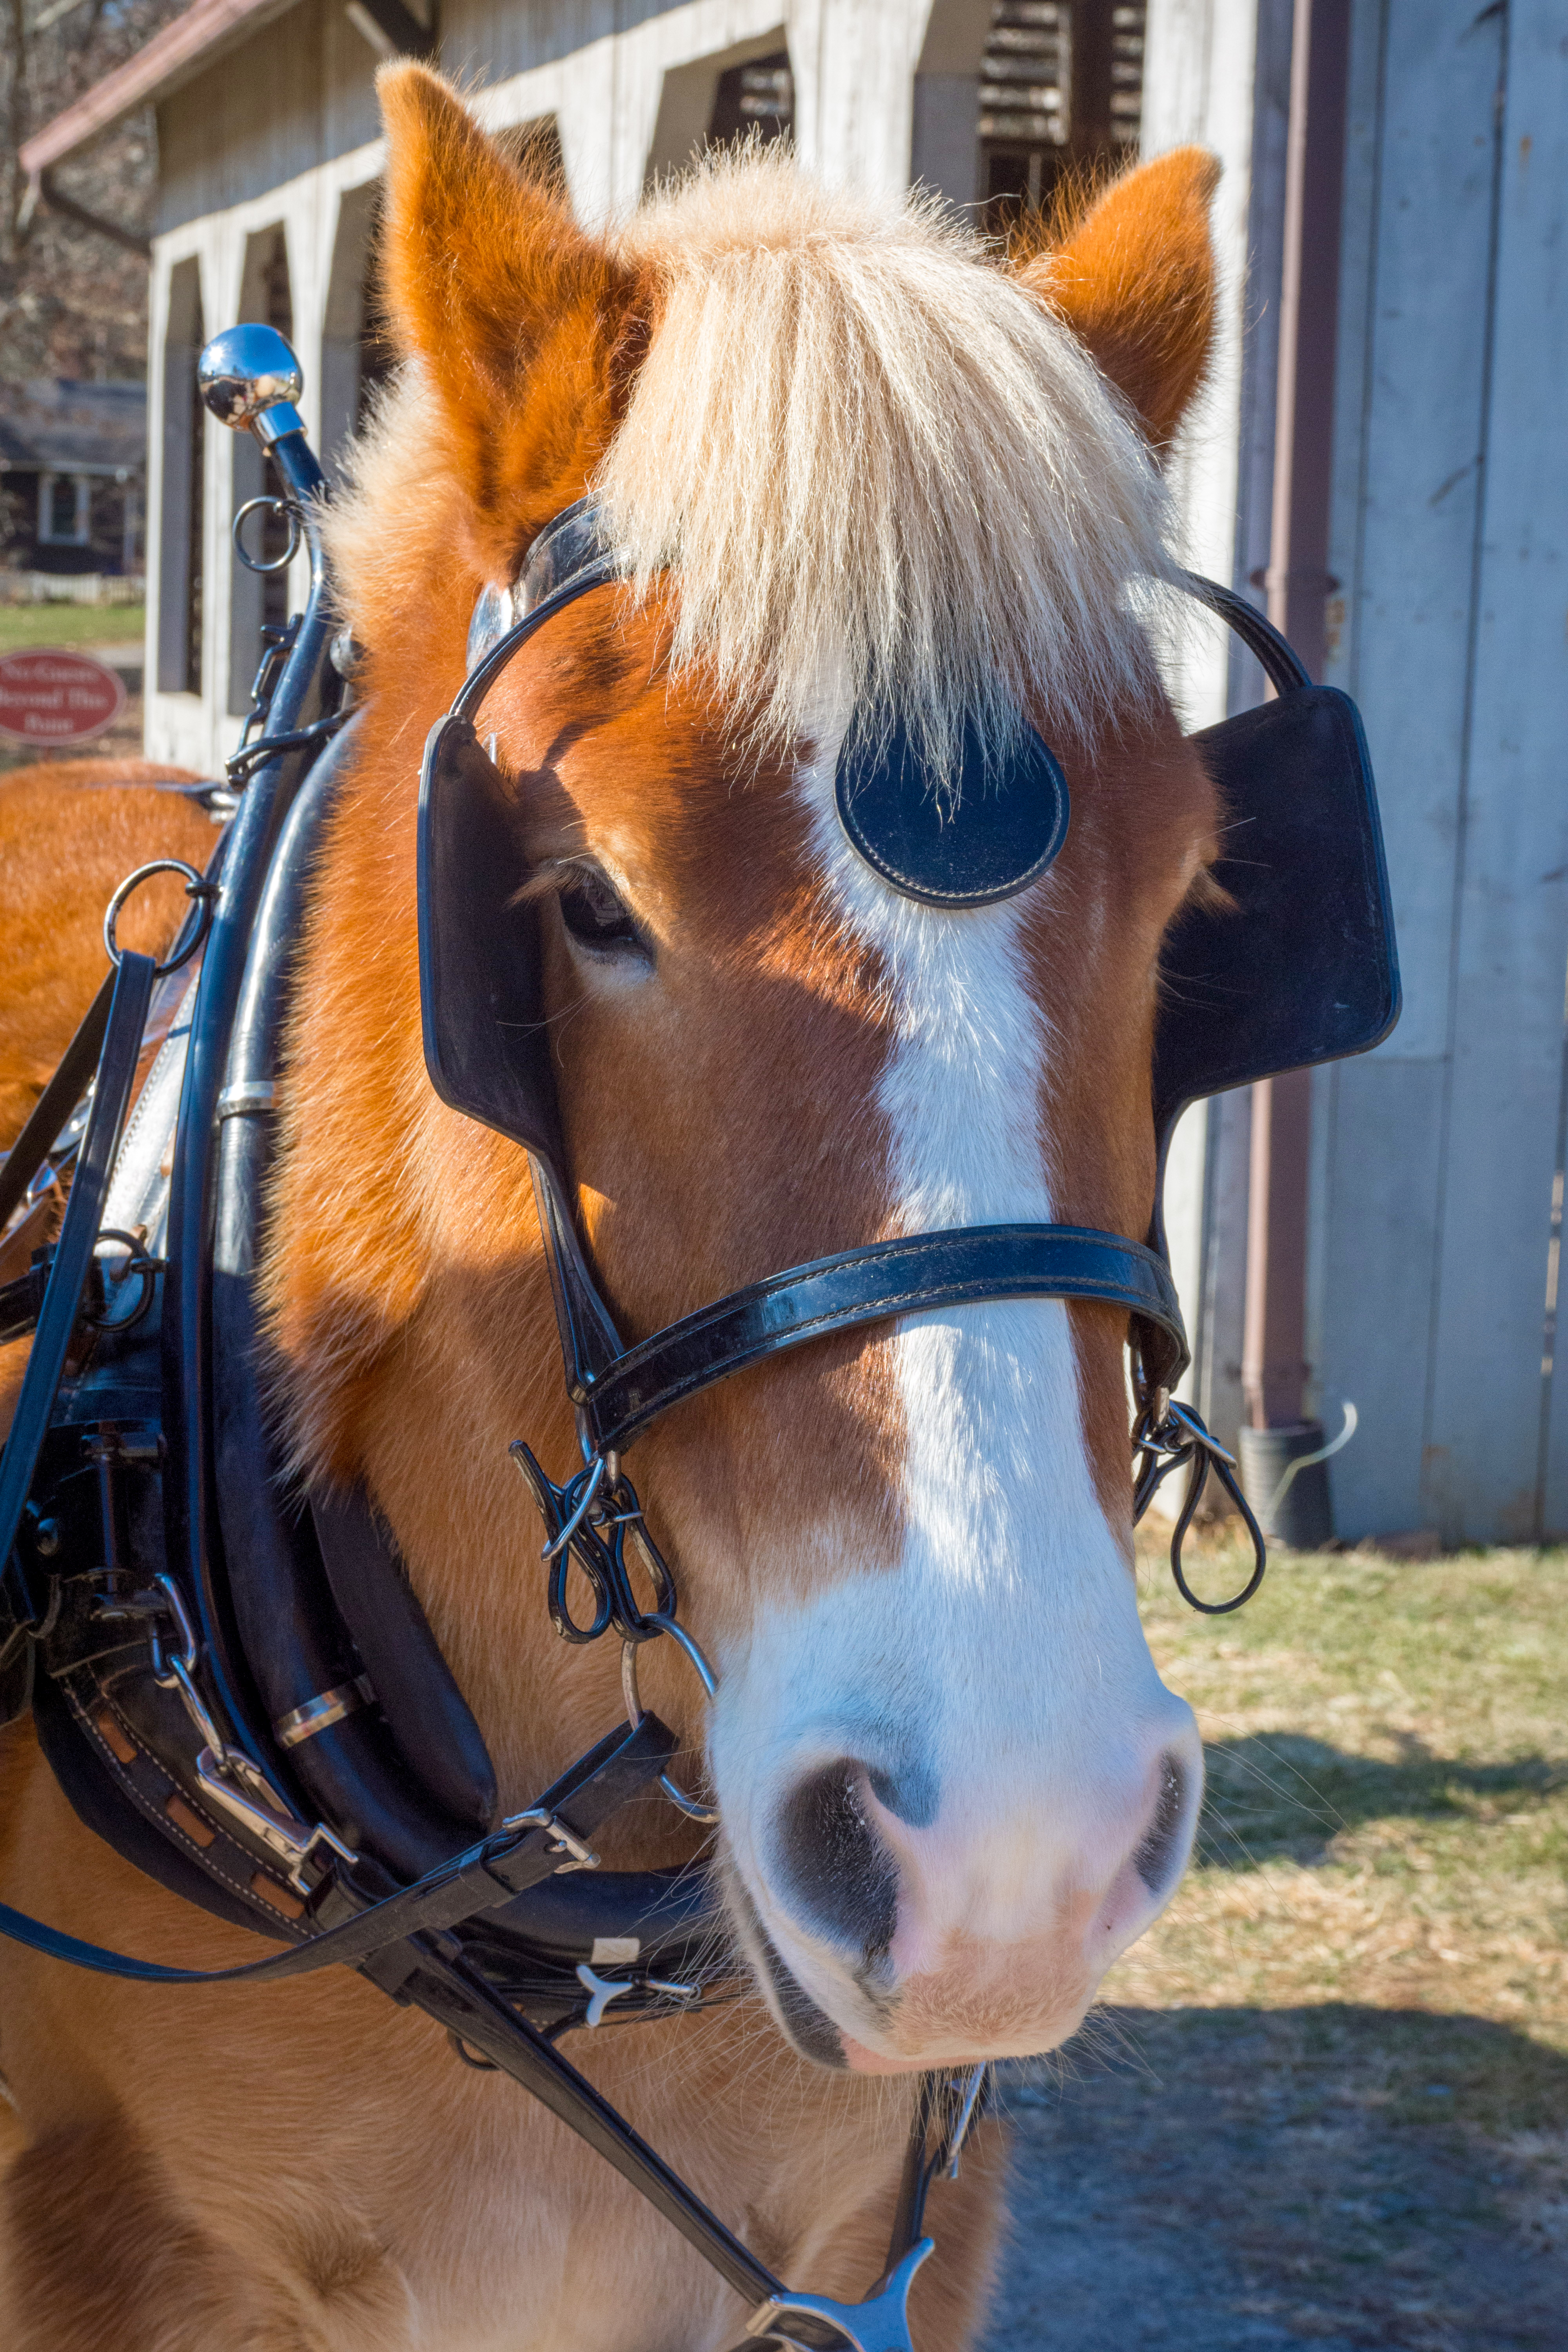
(240, 1691)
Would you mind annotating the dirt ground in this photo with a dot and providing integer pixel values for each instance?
(1327, 2103)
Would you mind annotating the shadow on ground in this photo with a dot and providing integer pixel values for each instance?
(1286, 1796)
(1246, 2180)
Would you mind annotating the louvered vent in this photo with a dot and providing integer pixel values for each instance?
(1026, 74)
(756, 98)
(1061, 83)
(1127, 26)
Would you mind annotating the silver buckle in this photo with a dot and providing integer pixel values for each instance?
(879, 2324)
(567, 1842)
(233, 1782)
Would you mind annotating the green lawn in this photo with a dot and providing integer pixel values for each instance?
(24, 625)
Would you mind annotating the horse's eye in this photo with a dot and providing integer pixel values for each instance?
(592, 911)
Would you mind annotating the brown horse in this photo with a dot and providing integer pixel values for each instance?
(858, 462)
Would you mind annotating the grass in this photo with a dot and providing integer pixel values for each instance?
(22, 626)
(1387, 1814)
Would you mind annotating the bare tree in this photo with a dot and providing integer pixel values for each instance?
(72, 303)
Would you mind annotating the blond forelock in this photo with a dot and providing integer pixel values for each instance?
(877, 468)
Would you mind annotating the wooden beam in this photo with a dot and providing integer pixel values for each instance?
(1273, 1371)
(69, 209)
(391, 29)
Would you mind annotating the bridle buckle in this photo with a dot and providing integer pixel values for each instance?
(566, 1842)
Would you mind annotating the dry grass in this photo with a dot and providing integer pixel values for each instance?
(1387, 1815)
(22, 626)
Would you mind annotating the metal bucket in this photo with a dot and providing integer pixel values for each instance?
(1302, 1516)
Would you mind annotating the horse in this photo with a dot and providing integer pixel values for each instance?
(861, 462)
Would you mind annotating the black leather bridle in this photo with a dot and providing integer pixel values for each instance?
(486, 1055)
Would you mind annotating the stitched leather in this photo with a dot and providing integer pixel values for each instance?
(127, 1018)
(967, 1267)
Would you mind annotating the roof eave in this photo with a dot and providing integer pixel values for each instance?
(182, 49)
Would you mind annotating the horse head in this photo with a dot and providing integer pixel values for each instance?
(863, 471)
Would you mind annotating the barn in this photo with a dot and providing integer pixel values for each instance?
(1381, 461)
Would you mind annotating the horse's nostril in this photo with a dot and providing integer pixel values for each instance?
(836, 1867)
(1156, 1850)
(910, 1794)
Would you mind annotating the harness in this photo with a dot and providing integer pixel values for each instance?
(234, 1680)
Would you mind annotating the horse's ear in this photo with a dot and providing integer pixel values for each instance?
(1133, 276)
(492, 285)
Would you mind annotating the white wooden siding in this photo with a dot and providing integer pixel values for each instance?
(1217, 74)
(1451, 537)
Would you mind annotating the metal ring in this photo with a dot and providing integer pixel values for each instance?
(164, 1667)
(196, 887)
(592, 1477)
(295, 533)
(677, 1796)
(146, 1270)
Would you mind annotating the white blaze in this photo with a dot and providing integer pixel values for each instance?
(1003, 1658)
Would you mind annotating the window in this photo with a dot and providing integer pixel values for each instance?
(759, 98)
(1061, 89)
(65, 509)
(355, 352)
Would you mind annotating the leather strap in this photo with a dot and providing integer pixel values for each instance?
(415, 1687)
(1282, 665)
(602, 572)
(453, 1990)
(482, 1879)
(125, 1021)
(967, 1267)
(19, 1303)
(56, 1104)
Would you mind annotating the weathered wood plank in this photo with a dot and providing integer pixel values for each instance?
(1200, 86)
(1408, 429)
(1408, 571)
(1512, 926)
(1378, 1124)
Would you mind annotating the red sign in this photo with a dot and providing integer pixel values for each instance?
(57, 697)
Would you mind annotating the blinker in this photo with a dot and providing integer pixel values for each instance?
(995, 829)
